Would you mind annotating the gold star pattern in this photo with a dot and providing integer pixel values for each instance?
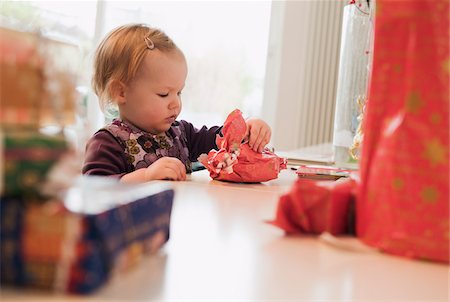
(378, 8)
(435, 152)
(413, 102)
(371, 196)
(428, 233)
(397, 67)
(398, 183)
(429, 194)
(446, 65)
(435, 118)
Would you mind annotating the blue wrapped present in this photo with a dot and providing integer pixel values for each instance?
(102, 227)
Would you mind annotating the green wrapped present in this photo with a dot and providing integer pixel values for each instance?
(28, 156)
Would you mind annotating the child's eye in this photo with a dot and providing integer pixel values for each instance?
(179, 93)
(163, 95)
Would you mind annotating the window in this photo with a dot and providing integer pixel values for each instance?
(72, 23)
(225, 44)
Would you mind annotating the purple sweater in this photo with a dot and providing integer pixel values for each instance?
(121, 148)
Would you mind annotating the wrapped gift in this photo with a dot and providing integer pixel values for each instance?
(28, 156)
(403, 201)
(102, 228)
(235, 161)
(23, 80)
(35, 91)
(314, 207)
(11, 217)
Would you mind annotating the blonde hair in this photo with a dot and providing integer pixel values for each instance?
(120, 54)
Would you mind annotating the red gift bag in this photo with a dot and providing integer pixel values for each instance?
(403, 202)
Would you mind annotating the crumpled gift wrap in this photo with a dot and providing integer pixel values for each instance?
(236, 161)
(314, 207)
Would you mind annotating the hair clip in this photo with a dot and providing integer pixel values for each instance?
(149, 42)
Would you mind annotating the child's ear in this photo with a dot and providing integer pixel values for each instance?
(117, 89)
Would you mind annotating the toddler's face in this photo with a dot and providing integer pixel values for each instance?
(153, 98)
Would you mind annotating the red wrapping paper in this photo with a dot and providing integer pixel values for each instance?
(314, 207)
(236, 161)
(403, 200)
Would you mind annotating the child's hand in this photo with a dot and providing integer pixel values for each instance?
(166, 168)
(258, 133)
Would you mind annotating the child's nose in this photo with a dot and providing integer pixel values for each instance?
(174, 102)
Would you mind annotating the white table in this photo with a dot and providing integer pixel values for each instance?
(221, 249)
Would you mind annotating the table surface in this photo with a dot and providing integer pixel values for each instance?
(221, 248)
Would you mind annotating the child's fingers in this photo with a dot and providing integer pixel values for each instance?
(265, 141)
(171, 168)
(179, 168)
(262, 146)
(257, 143)
(260, 141)
(170, 174)
(268, 135)
(247, 133)
(254, 133)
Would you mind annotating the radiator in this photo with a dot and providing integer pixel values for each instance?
(302, 70)
(318, 94)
